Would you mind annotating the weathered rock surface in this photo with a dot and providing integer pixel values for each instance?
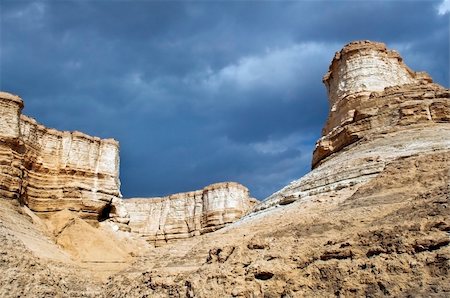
(371, 91)
(50, 170)
(380, 110)
(363, 67)
(32, 265)
(388, 237)
(371, 219)
(188, 214)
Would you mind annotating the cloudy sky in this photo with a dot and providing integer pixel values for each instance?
(203, 91)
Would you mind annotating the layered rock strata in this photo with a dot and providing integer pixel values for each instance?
(11, 146)
(50, 170)
(380, 110)
(188, 214)
(371, 91)
(373, 221)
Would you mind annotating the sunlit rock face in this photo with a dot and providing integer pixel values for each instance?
(188, 214)
(372, 91)
(380, 110)
(11, 146)
(363, 67)
(51, 170)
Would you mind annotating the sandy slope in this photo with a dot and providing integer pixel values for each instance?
(389, 236)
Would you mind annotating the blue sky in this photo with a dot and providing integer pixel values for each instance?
(202, 91)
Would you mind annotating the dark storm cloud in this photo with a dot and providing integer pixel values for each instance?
(201, 92)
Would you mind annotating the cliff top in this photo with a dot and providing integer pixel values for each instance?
(11, 97)
(211, 187)
(362, 67)
(61, 133)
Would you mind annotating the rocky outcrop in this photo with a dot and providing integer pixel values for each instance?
(371, 220)
(50, 170)
(380, 110)
(188, 214)
(371, 91)
(363, 67)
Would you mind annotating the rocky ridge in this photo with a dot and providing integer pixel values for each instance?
(371, 218)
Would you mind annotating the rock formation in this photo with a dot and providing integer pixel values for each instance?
(188, 214)
(371, 219)
(371, 91)
(50, 170)
(380, 110)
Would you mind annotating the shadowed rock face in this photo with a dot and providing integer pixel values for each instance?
(50, 170)
(188, 214)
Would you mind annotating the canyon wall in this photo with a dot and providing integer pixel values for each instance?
(380, 110)
(50, 170)
(11, 146)
(188, 214)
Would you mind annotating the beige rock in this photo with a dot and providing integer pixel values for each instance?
(10, 108)
(371, 91)
(83, 241)
(380, 110)
(363, 67)
(188, 214)
(50, 170)
(370, 220)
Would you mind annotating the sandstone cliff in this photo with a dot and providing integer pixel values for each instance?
(371, 91)
(370, 220)
(188, 214)
(50, 170)
(380, 110)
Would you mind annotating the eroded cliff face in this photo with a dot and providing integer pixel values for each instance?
(370, 220)
(188, 214)
(380, 110)
(50, 170)
(371, 91)
(11, 146)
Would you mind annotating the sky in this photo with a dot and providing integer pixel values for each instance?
(198, 92)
